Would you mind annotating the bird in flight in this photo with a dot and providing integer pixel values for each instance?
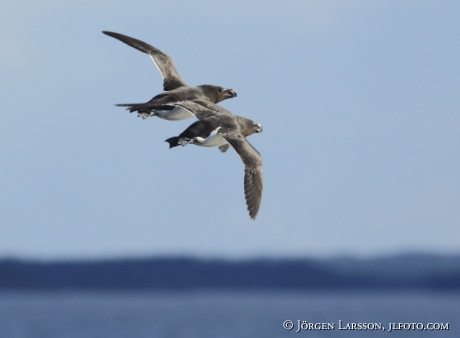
(175, 89)
(217, 126)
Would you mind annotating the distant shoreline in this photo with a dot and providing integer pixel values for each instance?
(404, 272)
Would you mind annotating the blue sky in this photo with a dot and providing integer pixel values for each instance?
(359, 101)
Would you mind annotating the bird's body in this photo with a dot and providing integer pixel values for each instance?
(175, 88)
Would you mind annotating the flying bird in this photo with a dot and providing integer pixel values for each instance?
(175, 88)
(217, 126)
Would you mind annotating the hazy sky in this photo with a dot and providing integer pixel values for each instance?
(359, 101)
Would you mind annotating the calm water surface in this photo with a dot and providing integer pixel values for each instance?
(219, 314)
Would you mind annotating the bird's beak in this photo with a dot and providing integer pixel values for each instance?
(258, 128)
(229, 93)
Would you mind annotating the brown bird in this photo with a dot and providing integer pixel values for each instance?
(217, 126)
(175, 88)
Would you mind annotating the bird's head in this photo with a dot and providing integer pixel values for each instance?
(217, 94)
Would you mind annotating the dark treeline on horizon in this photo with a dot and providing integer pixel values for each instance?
(406, 272)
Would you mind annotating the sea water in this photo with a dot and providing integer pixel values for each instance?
(206, 314)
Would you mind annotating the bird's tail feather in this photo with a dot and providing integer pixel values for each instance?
(173, 141)
(139, 108)
(132, 107)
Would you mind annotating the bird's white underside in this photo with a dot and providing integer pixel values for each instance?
(175, 114)
(213, 140)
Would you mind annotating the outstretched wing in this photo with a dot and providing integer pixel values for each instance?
(164, 62)
(253, 178)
